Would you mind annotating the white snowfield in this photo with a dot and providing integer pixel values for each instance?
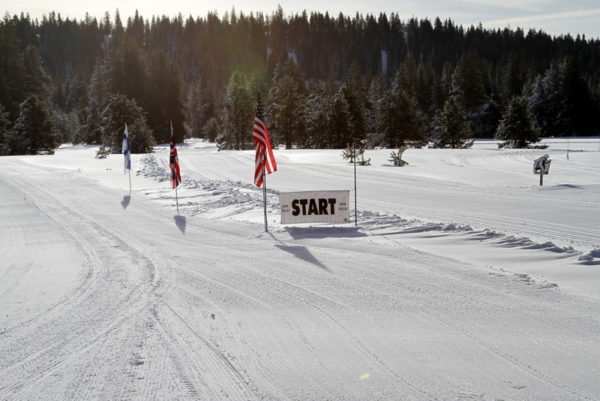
(465, 280)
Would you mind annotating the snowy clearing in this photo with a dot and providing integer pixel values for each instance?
(464, 280)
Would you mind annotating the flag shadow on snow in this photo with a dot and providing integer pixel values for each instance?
(125, 201)
(321, 232)
(302, 253)
(180, 222)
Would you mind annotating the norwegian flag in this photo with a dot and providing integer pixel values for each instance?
(174, 163)
(264, 160)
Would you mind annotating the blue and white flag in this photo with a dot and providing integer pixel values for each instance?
(126, 149)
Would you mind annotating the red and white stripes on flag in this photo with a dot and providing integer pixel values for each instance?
(174, 163)
(264, 160)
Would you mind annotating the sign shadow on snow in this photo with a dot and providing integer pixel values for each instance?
(180, 222)
(302, 253)
(125, 201)
(322, 232)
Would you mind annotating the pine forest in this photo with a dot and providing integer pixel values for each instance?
(327, 81)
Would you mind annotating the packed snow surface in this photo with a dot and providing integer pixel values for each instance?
(464, 279)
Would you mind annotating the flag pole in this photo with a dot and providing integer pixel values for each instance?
(177, 200)
(355, 197)
(265, 197)
(129, 181)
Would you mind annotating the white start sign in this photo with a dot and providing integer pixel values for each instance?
(314, 207)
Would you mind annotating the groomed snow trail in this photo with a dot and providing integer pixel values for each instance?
(107, 296)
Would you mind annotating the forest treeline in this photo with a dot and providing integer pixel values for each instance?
(327, 81)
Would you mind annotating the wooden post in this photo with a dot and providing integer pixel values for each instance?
(541, 177)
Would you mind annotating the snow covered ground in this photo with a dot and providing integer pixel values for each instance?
(464, 280)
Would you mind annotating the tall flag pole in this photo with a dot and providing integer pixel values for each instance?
(126, 150)
(355, 195)
(264, 160)
(174, 164)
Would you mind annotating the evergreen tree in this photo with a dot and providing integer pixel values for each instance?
(406, 77)
(75, 105)
(318, 115)
(516, 127)
(164, 101)
(512, 78)
(33, 131)
(67, 125)
(442, 86)
(424, 88)
(98, 96)
(211, 129)
(196, 111)
(238, 115)
(340, 121)
(120, 111)
(286, 100)
(561, 102)
(11, 70)
(36, 81)
(468, 82)
(5, 131)
(485, 121)
(451, 127)
(374, 112)
(402, 123)
(581, 113)
(127, 73)
(469, 88)
(355, 96)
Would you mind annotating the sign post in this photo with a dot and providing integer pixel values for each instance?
(314, 207)
(541, 166)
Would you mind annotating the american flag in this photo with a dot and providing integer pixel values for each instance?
(174, 163)
(126, 149)
(264, 159)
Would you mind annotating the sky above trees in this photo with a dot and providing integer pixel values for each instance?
(555, 17)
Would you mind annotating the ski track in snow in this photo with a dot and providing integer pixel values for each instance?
(208, 308)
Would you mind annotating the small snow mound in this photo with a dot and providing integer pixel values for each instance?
(457, 227)
(488, 234)
(526, 243)
(368, 213)
(526, 279)
(591, 258)
(550, 246)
